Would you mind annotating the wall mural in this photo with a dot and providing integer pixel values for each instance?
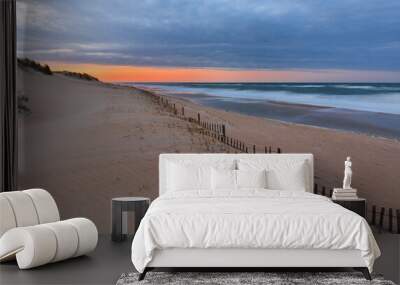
(104, 87)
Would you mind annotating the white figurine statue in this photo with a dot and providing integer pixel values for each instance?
(347, 174)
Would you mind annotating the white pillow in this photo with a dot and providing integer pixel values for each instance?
(251, 178)
(186, 178)
(288, 174)
(288, 177)
(223, 179)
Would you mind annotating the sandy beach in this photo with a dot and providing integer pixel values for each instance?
(87, 142)
(376, 160)
(346, 107)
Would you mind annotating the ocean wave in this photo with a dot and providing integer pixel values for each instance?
(361, 97)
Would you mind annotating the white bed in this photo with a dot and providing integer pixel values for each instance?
(248, 227)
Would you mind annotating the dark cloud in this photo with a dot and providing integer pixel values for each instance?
(356, 34)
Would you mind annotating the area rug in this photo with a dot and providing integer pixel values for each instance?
(233, 278)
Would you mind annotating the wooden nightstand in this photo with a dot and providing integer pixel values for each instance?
(358, 205)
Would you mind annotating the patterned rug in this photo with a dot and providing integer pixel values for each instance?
(232, 278)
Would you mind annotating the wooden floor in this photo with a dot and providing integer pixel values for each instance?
(110, 260)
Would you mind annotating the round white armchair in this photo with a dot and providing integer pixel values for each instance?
(31, 230)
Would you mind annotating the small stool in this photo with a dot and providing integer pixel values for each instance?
(120, 206)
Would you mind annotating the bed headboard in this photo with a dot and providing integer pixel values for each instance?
(209, 158)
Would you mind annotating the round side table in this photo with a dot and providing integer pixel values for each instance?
(120, 206)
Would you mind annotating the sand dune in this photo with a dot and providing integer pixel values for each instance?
(87, 142)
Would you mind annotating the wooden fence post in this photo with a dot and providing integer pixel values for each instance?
(198, 118)
(390, 220)
(183, 111)
(279, 150)
(398, 220)
(330, 192)
(373, 221)
(270, 149)
(323, 191)
(254, 148)
(382, 215)
(315, 188)
(247, 149)
(223, 130)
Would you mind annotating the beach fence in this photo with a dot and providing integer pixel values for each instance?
(385, 219)
(215, 130)
(382, 219)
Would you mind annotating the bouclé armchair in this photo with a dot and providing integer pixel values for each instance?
(31, 231)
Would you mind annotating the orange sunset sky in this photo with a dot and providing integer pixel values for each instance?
(122, 73)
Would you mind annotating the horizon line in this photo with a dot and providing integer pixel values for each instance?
(151, 74)
(253, 82)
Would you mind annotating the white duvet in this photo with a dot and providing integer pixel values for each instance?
(250, 219)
